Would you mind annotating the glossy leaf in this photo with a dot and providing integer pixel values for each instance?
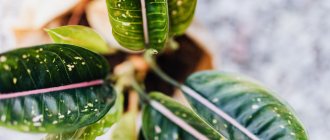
(157, 126)
(97, 129)
(81, 36)
(181, 13)
(127, 23)
(253, 106)
(49, 66)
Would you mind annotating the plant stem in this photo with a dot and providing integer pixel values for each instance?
(149, 55)
(137, 87)
(126, 76)
(119, 87)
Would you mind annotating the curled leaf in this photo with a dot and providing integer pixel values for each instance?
(181, 13)
(256, 110)
(96, 11)
(46, 69)
(80, 36)
(128, 25)
(157, 126)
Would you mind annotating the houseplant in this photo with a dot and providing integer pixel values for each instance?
(67, 91)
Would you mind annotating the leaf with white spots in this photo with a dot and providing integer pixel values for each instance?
(128, 24)
(80, 36)
(97, 129)
(251, 106)
(157, 126)
(181, 13)
(47, 88)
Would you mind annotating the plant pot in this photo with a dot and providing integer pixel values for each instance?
(190, 57)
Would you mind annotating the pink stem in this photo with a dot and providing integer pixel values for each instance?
(52, 89)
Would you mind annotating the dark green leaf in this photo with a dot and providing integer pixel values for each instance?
(157, 126)
(141, 136)
(81, 36)
(127, 23)
(49, 66)
(181, 13)
(251, 105)
(97, 129)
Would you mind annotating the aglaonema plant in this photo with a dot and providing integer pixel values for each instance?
(66, 88)
(72, 81)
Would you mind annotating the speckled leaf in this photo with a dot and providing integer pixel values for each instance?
(127, 23)
(157, 126)
(97, 129)
(251, 105)
(49, 66)
(181, 13)
(81, 36)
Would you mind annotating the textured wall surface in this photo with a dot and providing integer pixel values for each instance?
(283, 43)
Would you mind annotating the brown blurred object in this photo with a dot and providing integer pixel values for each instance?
(77, 12)
(35, 15)
(32, 37)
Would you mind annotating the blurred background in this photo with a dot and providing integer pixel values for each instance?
(285, 44)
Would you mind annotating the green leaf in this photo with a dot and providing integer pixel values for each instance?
(156, 126)
(126, 127)
(97, 129)
(49, 66)
(81, 36)
(141, 136)
(253, 106)
(181, 13)
(127, 22)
